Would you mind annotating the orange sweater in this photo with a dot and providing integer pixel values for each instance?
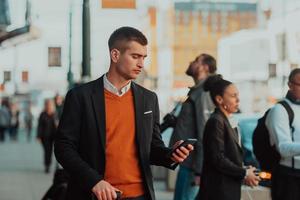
(122, 168)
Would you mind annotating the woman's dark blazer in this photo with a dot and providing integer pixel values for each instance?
(222, 173)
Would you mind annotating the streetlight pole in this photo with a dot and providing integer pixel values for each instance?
(70, 74)
(86, 41)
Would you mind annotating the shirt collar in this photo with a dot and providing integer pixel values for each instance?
(111, 88)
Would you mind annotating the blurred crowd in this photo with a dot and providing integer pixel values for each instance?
(16, 118)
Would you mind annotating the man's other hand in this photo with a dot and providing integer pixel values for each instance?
(104, 191)
(251, 179)
(180, 154)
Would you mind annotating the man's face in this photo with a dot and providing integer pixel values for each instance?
(294, 86)
(58, 100)
(130, 62)
(193, 68)
(50, 107)
(197, 69)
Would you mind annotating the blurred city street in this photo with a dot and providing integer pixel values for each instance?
(22, 174)
(21, 171)
(49, 47)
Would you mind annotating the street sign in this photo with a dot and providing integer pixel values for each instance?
(123, 4)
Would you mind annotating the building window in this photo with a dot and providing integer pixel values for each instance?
(7, 76)
(224, 22)
(204, 16)
(177, 17)
(195, 21)
(186, 18)
(281, 46)
(25, 76)
(272, 70)
(54, 56)
(214, 22)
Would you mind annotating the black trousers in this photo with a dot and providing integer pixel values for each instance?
(2, 132)
(13, 133)
(47, 144)
(285, 183)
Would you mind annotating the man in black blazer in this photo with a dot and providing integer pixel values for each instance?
(81, 144)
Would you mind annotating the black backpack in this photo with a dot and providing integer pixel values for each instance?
(267, 155)
(170, 119)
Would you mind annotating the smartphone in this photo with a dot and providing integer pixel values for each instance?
(185, 143)
(263, 175)
(118, 195)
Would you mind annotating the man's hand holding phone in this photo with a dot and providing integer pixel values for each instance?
(181, 150)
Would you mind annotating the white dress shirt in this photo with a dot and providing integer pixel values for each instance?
(110, 87)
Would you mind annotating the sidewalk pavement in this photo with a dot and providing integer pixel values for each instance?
(22, 174)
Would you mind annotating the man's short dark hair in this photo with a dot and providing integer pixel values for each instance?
(210, 61)
(293, 73)
(123, 35)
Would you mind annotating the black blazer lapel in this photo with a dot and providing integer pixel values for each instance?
(230, 130)
(139, 109)
(235, 135)
(99, 109)
(232, 133)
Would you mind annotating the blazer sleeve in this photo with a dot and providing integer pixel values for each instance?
(67, 142)
(214, 134)
(159, 152)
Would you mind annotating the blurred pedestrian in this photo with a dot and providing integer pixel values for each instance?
(58, 100)
(28, 120)
(286, 175)
(223, 170)
(190, 124)
(4, 118)
(58, 189)
(46, 131)
(14, 121)
(109, 130)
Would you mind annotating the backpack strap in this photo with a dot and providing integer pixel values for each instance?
(290, 113)
(291, 119)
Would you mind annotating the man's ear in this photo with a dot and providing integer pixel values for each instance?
(290, 85)
(114, 55)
